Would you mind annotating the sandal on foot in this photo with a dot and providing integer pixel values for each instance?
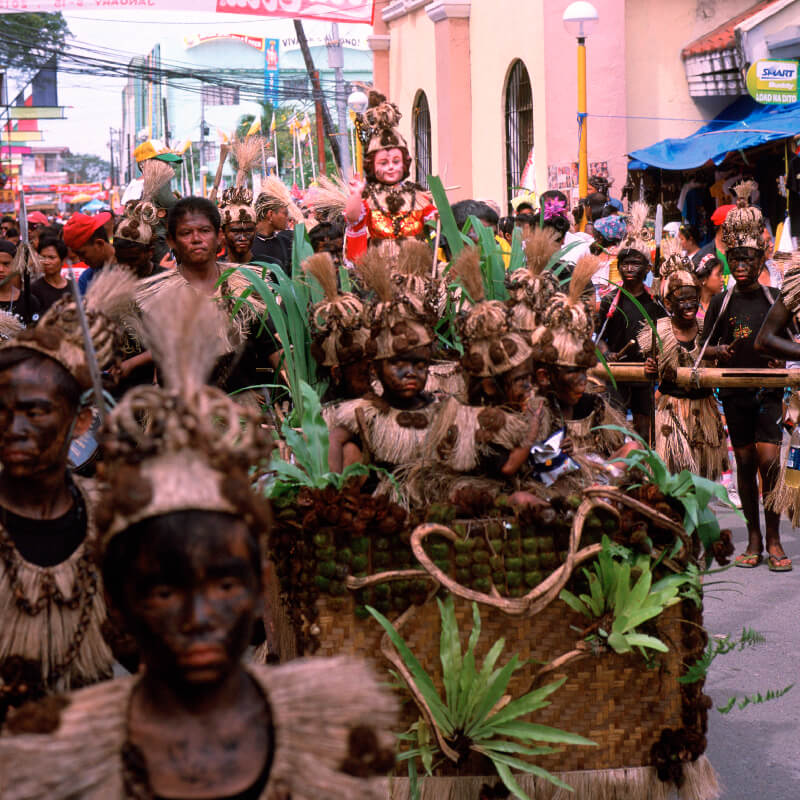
(748, 560)
(779, 563)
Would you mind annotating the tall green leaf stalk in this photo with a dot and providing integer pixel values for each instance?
(475, 714)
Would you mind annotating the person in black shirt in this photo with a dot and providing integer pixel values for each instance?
(619, 323)
(52, 286)
(26, 309)
(273, 239)
(731, 325)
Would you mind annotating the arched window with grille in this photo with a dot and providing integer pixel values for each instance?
(519, 125)
(422, 139)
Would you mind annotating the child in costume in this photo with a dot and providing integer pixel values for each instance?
(563, 352)
(732, 322)
(182, 547)
(386, 206)
(389, 429)
(689, 432)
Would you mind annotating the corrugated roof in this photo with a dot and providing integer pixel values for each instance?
(723, 36)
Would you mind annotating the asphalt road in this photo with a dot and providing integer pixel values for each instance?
(756, 750)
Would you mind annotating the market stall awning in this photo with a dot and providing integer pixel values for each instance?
(741, 125)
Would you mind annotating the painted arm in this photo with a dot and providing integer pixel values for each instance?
(769, 339)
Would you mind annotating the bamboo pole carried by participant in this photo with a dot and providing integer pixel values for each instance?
(706, 377)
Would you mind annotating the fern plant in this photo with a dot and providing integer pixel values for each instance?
(619, 603)
(471, 715)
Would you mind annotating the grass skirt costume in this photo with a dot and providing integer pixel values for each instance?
(689, 430)
(316, 706)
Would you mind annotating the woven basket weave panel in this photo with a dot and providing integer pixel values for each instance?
(613, 700)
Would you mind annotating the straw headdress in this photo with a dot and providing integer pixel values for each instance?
(199, 445)
(790, 289)
(10, 325)
(141, 216)
(531, 288)
(491, 347)
(274, 196)
(58, 333)
(412, 273)
(328, 197)
(236, 203)
(744, 225)
(378, 127)
(399, 322)
(338, 323)
(565, 336)
(637, 237)
(676, 270)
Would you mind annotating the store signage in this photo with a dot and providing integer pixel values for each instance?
(773, 82)
(331, 10)
(256, 42)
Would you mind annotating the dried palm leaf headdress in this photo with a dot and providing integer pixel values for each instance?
(676, 270)
(638, 238)
(565, 335)
(199, 444)
(141, 216)
(328, 198)
(274, 196)
(58, 333)
(531, 288)
(491, 347)
(10, 326)
(236, 204)
(412, 274)
(744, 225)
(398, 322)
(339, 326)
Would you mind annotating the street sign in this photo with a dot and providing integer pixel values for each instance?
(772, 82)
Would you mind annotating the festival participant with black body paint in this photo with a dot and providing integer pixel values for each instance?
(51, 600)
(182, 546)
(732, 322)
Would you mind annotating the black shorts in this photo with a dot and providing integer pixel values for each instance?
(754, 416)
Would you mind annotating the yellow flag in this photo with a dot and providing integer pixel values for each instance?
(186, 145)
(255, 127)
(305, 127)
(273, 126)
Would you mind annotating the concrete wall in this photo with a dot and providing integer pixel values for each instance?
(412, 67)
(605, 87)
(655, 34)
(502, 31)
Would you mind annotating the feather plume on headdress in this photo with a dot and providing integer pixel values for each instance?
(338, 323)
(247, 153)
(531, 288)
(491, 347)
(744, 225)
(565, 335)
(155, 175)
(637, 237)
(328, 198)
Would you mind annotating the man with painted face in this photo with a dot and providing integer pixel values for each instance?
(182, 546)
(732, 323)
(50, 591)
(620, 317)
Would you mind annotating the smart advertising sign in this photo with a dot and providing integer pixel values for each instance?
(771, 82)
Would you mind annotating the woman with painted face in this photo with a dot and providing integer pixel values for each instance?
(182, 548)
(731, 325)
(689, 432)
(386, 206)
(620, 317)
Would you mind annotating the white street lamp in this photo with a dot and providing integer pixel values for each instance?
(580, 18)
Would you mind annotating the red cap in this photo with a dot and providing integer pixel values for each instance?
(718, 217)
(80, 227)
(37, 218)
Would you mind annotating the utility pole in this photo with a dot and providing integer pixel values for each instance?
(336, 61)
(317, 90)
(323, 167)
(111, 152)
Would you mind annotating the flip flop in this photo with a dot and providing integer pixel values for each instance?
(748, 560)
(779, 563)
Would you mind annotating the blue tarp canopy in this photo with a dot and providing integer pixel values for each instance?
(741, 125)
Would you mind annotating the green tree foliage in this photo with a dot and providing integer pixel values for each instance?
(85, 168)
(27, 40)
